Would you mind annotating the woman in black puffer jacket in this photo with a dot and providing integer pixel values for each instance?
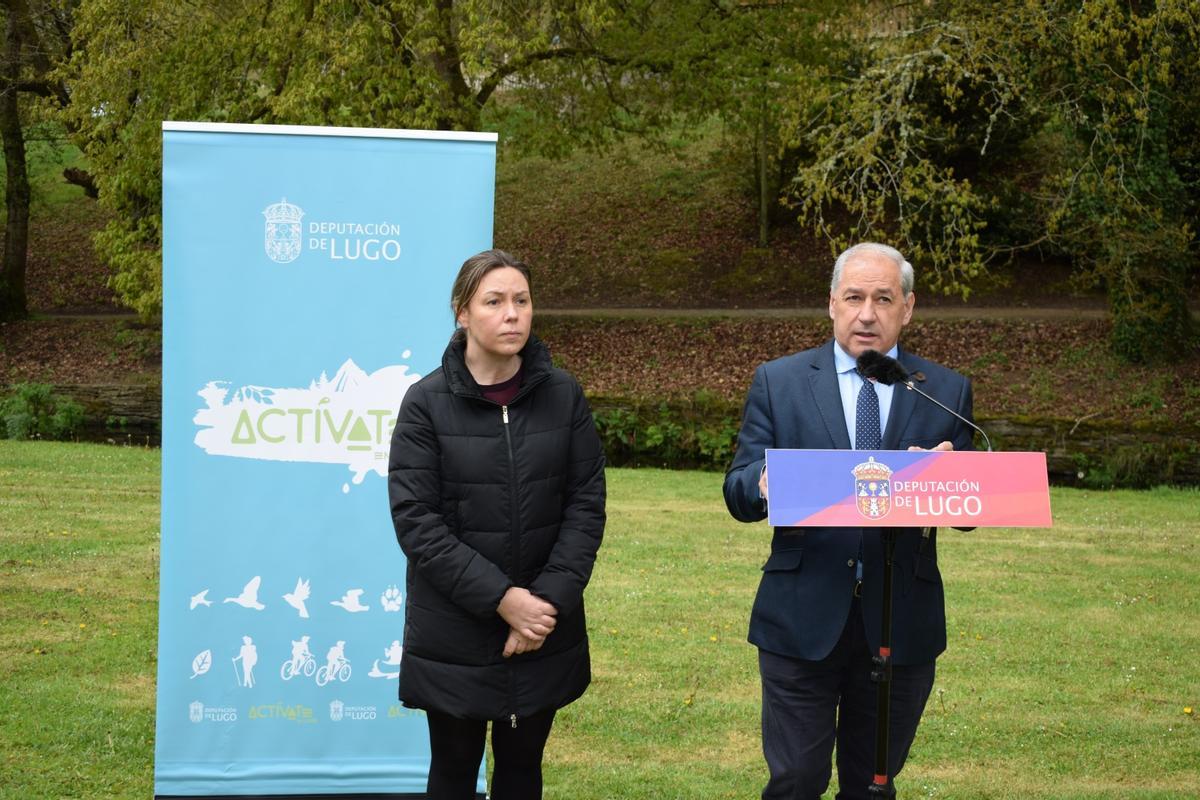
(496, 481)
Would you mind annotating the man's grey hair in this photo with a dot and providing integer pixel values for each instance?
(906, 269)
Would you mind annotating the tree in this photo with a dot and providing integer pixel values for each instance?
(981, 129)
(735, 61)
(763, 51)
(898, 141)
(35, 37)
(1124, 83)
(546, 71)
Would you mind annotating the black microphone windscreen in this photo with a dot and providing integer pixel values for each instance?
(873, 365)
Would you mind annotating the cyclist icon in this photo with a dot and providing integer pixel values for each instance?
(301, 662)
(336, 667)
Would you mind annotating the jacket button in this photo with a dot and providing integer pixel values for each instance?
(850, 562)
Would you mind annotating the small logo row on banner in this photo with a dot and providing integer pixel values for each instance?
(302, 664)
(390, 600)
(295, 712)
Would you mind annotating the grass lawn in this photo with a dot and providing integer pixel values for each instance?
(1071, 660)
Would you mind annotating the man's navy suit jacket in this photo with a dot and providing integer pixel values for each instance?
(805, 594)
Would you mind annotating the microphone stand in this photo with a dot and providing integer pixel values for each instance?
(884, 369)
(908, 384)
(881, 785)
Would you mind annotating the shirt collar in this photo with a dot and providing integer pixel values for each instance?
(844, 362)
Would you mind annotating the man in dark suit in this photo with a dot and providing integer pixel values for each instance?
(816, 618)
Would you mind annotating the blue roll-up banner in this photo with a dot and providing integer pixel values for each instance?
(306, 281)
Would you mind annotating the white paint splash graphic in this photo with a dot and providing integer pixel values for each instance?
(344, 420)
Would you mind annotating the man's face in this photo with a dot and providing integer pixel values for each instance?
(868, 307)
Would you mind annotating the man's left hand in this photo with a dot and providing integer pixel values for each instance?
(944, 446)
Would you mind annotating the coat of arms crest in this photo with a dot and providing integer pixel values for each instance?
(873, 488)
(283, 236)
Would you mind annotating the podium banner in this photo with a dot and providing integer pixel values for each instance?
(306, 282)
(901, 488)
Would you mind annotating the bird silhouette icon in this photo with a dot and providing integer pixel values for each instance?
(200, 600)
(249, 596)
(351, 602)
(296, 597)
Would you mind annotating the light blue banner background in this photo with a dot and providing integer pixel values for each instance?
(283, 368)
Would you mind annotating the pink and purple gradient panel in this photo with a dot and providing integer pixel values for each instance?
(900, 488)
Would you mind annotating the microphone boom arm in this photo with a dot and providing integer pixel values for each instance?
(908, 384)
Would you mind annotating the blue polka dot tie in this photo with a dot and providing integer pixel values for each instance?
(867, 435)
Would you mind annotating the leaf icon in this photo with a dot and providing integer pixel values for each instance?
(201, 663)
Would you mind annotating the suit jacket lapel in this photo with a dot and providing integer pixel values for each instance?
(823, 381)
(903, 405)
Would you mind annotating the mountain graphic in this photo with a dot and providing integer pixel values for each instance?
(349, 376)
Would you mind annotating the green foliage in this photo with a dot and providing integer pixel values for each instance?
(1060, 126)
(136, 263)
(963, 131)
(1149, 394)
(48, 153)
(551, 75)
(1139, 466)
(33, 411)
(1125, 205)
(696, 433)
(736, 62)
(143, 341)
(892, 147)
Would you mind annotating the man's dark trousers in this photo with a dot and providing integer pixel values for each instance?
(803, 697)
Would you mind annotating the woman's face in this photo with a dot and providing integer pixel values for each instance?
(499, 315)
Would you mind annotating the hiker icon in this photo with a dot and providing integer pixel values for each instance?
(248, 655)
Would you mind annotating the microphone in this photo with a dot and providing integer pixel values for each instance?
(875, 366)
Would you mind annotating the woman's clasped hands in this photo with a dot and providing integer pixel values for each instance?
(530, 618)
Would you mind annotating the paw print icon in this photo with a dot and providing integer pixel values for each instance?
(391, 599)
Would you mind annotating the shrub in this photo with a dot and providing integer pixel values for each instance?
(1139, 466)
(33, 411)
(700, 432)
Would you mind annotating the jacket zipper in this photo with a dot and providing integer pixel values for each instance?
(514, 534)
(514, 545)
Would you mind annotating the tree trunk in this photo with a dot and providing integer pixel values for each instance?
(447, 60)
(764, 190)
(16, 228)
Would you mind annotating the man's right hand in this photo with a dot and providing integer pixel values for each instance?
(762, 483)
(527, 614)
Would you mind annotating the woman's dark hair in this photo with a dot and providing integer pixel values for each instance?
(471, 274)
